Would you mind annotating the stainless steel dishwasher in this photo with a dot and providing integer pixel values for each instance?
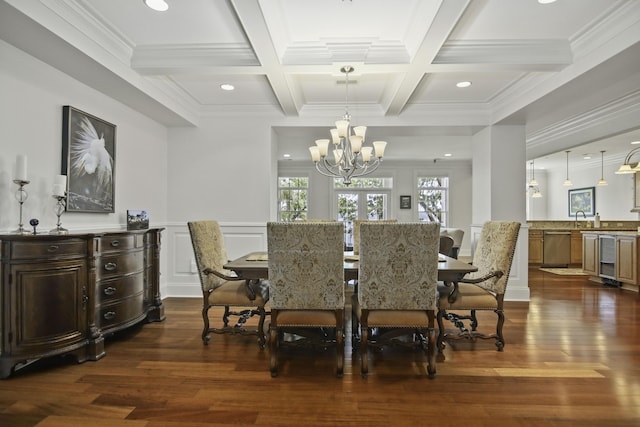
(556, 249)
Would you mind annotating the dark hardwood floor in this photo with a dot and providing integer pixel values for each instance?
(572, 358)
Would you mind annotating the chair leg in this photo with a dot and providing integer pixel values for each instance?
(499, 337)
(364, 344)
(440, 343)
(273, 348)
(474, 321)
(262, 339)
(431, 349)
(340, 343)
(225, 316)
(205, 331)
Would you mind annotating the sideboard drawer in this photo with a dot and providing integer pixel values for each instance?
(119, 242)
(117, 265)
(43, 248)
(112, 290)
(130, 310)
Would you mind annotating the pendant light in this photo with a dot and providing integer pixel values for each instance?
(567, 182)
(602, 180)
(533, 184)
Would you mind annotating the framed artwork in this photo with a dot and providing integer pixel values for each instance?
(88, 160)
(405, 202)
(582, 200)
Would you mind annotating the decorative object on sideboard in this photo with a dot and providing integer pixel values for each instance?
(21, 194)
(137, 219)
(34, 223)
(60, 194)
(351, 158)
(88, 160)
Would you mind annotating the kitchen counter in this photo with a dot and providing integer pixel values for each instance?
(584, 225)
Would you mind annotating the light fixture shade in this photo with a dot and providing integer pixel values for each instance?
(366, 153)
(315, 153)
(360, 131)
(343, 127)
(356, 143)
(536, 194)
(334, 136)
(567, 182)
(379, 147)
(323, 146)
(625, 168)
(533, 182)
(602, 182)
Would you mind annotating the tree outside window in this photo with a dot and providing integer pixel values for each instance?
(292, 198)
(433, 199)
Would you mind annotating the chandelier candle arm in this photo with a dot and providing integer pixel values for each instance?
(351, 157)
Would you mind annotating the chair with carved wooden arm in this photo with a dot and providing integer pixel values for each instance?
(483, 289)
(397, 289)
(220, 288)
(306, 277)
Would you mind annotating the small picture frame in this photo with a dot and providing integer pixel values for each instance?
(137, 219)
(405, 202)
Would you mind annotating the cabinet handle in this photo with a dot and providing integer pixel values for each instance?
(110, 266)
(109, 315)
(110, 290)
(53, 248)
(115, 243)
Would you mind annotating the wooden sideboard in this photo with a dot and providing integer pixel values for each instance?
(61, 294)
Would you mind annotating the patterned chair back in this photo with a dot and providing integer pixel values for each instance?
(356, 230)
(494, 252)
(306, 265)
(209, 251)
(398, 266)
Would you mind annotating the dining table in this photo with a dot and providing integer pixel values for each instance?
(255, 265)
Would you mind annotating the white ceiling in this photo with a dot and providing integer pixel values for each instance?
(560, 69)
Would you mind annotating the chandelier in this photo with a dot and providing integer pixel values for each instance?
(350, 157)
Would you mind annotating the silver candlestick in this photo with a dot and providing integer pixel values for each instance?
(60, 205)
(21, 196)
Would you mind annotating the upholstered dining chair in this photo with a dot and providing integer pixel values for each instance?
(483, 289)
(306, 277)
(397, 288)
(221, 289)
(356, 230)
(446, 245)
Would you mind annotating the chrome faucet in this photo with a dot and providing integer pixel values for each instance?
(583, 215)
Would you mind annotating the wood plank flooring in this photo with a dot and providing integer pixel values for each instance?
(572, 358)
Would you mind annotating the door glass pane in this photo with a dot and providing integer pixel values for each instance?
(348, 213)
(376, 206)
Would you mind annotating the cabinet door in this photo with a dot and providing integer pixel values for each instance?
(576, 247)
(535, 247)
(50, 307)
(590, 258)
(626, 265)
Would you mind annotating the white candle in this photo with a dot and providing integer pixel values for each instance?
(21, 167)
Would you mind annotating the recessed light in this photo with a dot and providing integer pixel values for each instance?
(463, 84)
(586, 156)
(227, 86)
(286, 155)
(159, 5)
(448, 154)
(635, 142)
(546, 1)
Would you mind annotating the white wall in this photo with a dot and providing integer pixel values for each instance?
(613, 201)
(31, 121)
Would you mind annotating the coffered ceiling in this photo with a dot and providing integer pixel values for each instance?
(568, 71)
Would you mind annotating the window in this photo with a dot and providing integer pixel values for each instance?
(292, 198)
(433, 199)
(365, 198)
